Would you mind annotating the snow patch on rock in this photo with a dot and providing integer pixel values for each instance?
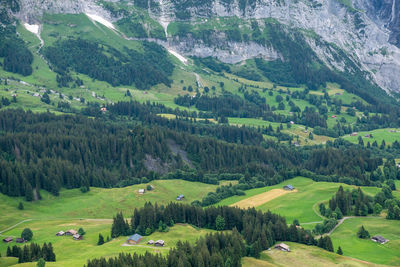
(178, 56)
(101, 20)
(33, 28)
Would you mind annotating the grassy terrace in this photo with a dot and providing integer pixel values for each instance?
(94, 211)
(301, 205)
(76, 253)
(365, 249)
(302, 255)
(98, 203)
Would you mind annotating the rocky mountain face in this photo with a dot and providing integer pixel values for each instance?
(367, 31)
(385, 13)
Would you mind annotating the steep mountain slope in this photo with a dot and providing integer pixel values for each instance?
(364, 38)
(356, 38)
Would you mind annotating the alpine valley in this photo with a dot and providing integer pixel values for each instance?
(199, 133)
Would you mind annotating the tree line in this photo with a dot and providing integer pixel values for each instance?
(32, 252)
(218, 249)
(259, 230)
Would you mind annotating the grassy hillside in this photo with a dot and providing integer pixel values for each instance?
(389, 253)
(301, 255)
(388, 134)
(76, 253)
(98, 203)
(93, 211)
(301, 205)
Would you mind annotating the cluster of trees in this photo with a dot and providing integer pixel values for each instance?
(32, 252)
(222, 192)
(218, 249)
(184, 122)
(260, 230)
(17, 57)
(355, 202)
(362, 233)
(227, 105)
(325, 227)
(144, 69)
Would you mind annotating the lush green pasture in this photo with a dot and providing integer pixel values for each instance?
(76, 253)
(302, 205)
(365, 249)
(301, 255)
(389, 135)
(99, 203)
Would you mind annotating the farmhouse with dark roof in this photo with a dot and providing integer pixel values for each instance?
(134, 239)
(288, 187)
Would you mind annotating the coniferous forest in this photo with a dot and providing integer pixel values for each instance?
(45, 151)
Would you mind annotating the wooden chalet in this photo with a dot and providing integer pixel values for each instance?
(283, 247)
(159, 243)
(71, 232)
(288, 187)
(61, 233)
(379, 239)
(134, 239)
(20, 240)
(8, 239)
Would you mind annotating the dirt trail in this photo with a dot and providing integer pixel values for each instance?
(348, 217)
(15, 225)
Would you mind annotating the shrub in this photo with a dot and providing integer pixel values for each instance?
(27, 234)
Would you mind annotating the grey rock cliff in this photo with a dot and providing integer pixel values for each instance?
(369, 32)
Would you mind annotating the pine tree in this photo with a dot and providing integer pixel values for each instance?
(339, 251)
(20, 206)
(328, 244)
(363, 233)
(28, 192)
(26, 257)
(220, 223)
(51, 254)
(81, 231)
(101, 240)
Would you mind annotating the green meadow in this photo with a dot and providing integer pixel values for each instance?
(366, 249)
(302, 205)
(389, 135)
(93, 211)
(301, 255)
(76, 253)
(98, 203)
